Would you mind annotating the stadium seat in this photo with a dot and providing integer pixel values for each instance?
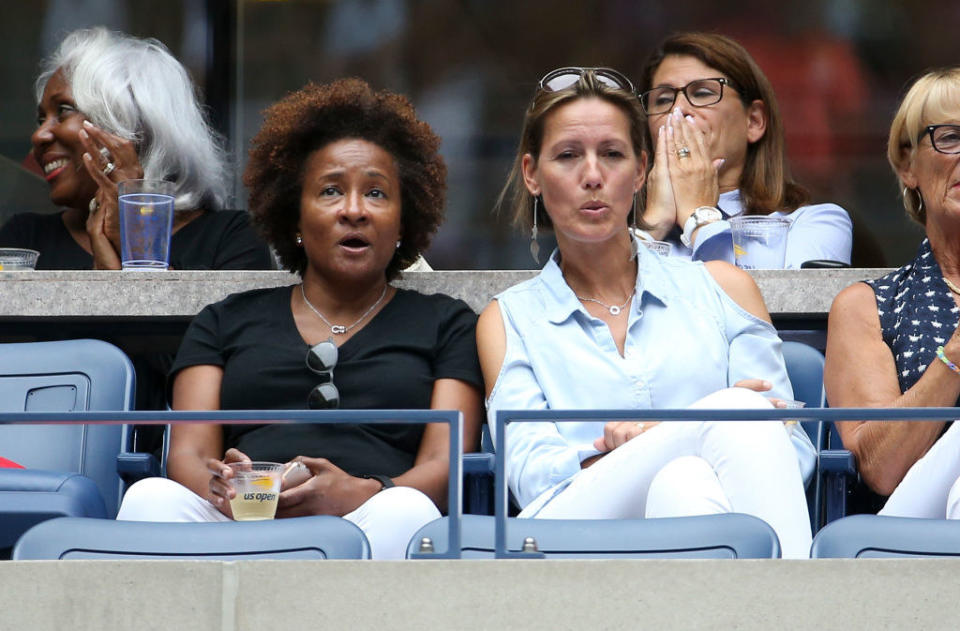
(317, 537)
(727, 536)
(64, 463)
(875, 536)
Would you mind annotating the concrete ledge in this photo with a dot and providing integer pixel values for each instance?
(181, 294)
(422, 595)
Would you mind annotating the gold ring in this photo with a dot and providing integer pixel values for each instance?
(683, 152)
(107, 170)
(642, 426)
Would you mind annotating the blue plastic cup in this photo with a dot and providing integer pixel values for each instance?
(146, 223)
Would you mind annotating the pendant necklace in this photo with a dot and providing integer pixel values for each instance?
(613, 309)
(339, 329)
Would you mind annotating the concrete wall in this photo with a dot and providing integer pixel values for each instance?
(475, 595)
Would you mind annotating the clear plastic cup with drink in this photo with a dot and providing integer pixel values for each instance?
(146, 224)
(257, 486)
(759, 242)
(18, 259)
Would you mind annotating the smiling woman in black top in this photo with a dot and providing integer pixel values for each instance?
(112, 107)
(364, 203)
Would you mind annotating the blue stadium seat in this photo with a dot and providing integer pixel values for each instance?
(62, 376)
(318, 537)
(727, 536)
(874, 536)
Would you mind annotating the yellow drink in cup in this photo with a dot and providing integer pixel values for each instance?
(257, 485)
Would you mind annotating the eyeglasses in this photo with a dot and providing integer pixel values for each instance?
(321, 359)
(944, 138)
(563, 78)
(699, 93)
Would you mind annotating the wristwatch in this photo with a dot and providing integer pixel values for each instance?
(699, 217)
(385, 481)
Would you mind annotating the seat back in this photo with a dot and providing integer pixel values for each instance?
(317, 537)
(876, 536)
(726, 536)
(805, 369)
(67, 376)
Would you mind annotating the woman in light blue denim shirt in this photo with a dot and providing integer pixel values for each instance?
(609, 325)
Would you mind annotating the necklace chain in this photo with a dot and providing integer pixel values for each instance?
(339, 329)
(613, 309)
(951, 286)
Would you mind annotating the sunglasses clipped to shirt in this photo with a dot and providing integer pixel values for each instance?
(563, 78)
(321, 360)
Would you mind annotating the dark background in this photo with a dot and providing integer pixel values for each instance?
(470, 67)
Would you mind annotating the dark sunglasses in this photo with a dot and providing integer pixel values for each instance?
(563, 78)
(321, 359)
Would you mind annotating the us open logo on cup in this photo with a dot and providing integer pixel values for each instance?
(257, 486)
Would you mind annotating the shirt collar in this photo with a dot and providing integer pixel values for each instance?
(650, 280)
(730, 203)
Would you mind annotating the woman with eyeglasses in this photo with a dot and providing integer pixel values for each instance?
(718, 150)
(348, 187)
(608, 324)
(895, 341)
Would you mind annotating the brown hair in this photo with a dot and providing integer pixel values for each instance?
(515, 193)
(313, 117)
(765, 185)
(932, 99)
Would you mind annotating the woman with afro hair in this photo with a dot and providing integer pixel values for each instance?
(347, 185)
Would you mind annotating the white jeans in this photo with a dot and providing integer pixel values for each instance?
(931, 488)
(693, 468)
(389, 519)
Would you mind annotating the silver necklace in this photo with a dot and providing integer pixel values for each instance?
(951, 286)
(613, 309)
(339, 329)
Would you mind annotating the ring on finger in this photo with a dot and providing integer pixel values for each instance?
(105, 154)
(683, 152)
(642, 426)
(93, 205)
(107, 170)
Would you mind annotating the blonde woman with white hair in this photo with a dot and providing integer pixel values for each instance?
(895, 341)
(112, 107)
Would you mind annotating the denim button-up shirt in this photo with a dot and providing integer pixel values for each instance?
(686, 338)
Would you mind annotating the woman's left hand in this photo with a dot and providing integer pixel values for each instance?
(331, 491)
(761, 385)
(694, 173)
(109, 160)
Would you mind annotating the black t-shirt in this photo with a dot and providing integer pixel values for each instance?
(215, 240)
(391, 363)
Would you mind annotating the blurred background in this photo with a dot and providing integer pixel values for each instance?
(470, 67)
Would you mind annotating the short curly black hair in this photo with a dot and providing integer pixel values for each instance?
(313, 117)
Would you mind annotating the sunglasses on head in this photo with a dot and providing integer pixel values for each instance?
(563, 78)
(321, 359)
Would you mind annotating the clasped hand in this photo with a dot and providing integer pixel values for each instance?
(680, 182)
(616, 433)
(109, 160)
(329, 490)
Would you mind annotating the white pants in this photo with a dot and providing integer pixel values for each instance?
(693, 468)
(389, 519)
(931, 488)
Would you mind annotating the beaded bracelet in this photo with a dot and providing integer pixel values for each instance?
(943, 357)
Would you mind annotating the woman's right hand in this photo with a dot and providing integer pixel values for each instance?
(221, 492)
(616, 433)
(660, 210)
